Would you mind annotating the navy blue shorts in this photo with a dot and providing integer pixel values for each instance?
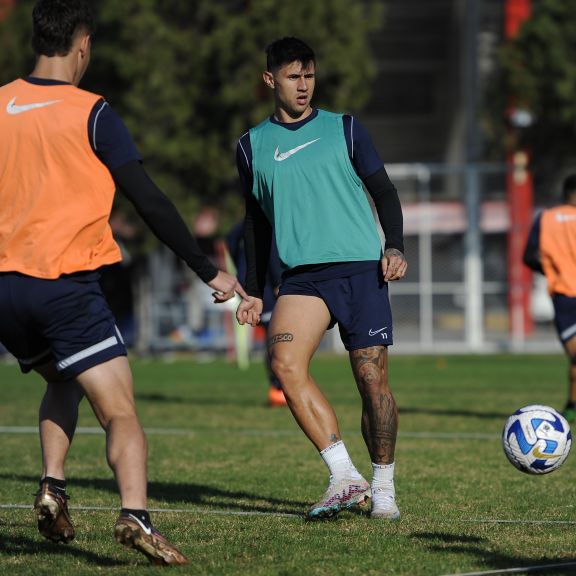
(564, 316)
(66, 321)
(358, 303)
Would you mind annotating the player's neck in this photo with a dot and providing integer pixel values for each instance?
(54, 68)
(285, 118)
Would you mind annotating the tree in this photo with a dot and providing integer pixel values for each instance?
(186, 76)
(539, 76)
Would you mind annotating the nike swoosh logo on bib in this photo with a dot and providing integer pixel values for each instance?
(13, 108)
(280, 156)
(565, 217)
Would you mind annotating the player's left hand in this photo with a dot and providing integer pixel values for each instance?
(394, 265)
(249, 311)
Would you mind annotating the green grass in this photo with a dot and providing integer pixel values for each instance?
(233, 478)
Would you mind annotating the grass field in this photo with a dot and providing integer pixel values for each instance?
(232, 478)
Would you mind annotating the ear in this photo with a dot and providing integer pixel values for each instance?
(268, 79)
(84, 45)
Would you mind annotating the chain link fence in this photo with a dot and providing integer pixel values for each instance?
(454, 298)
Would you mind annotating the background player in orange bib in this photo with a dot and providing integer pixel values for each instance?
(551, 250)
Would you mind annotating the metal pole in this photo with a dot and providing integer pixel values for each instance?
(425, 261)
(473, 266)
(473, 241)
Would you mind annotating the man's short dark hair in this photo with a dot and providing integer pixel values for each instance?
(569, 187)
(287, 50)
(55, 23)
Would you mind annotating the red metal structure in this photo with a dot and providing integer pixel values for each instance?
(520, 203)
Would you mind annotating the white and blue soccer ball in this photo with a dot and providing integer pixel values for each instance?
(537, 439)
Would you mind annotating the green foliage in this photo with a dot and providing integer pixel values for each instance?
(539, 74)
(186, 76)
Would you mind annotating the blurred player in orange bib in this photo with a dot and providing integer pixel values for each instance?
(551, 250)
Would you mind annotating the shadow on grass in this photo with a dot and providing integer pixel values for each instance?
(474, 546)
(185, 493)
(22, 546)
(457, 413)
(206, 401)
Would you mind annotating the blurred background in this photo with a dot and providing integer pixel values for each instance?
(471, 104)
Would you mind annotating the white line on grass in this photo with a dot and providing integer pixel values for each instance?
(480, 521)
(284, 514)
(163, 510)
(252, 432)
(519, 570)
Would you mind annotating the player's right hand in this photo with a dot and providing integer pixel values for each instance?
(394, 265)
(249, 311)
(225, 286)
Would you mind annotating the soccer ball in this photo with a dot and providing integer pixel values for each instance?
(537, 439)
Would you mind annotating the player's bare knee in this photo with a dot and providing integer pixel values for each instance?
(286, 368)
(120, 423)
(108, 410)
(280, 367)
(371, 380)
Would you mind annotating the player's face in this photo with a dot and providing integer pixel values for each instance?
(293, 87)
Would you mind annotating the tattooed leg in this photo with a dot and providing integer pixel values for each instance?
(379, 411)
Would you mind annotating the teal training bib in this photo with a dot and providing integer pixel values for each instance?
(308, 188)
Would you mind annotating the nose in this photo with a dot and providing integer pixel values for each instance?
(302, 84)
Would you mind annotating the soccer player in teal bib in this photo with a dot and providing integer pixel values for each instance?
(303, 171)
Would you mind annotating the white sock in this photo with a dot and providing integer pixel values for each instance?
(383, 481)
(339, 463)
